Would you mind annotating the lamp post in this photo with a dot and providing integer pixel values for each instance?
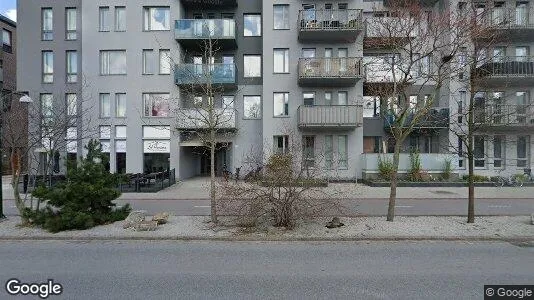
(23, 99)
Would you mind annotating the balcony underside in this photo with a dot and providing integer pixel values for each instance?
(328, 36)
(509, 34)
(200, 44)
(506, 81)
(328, 127)
(209, 3)
(328, 81)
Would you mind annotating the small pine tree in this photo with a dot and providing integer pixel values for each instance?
(84, 200)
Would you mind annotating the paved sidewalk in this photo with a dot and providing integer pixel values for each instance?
(197, 188)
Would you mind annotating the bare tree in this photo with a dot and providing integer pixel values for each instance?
(419, 47)
(52, 127)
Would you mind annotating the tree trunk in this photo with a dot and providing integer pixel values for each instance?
(393, 184)
(212, 178)
(470, 182)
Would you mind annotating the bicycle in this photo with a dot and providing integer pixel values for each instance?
(510, 180)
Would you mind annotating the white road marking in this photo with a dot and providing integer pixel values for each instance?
(202, 206)
(500, 206)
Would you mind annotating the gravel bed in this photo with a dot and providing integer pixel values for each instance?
(185, 227)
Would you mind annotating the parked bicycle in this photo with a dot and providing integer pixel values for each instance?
(510, 180)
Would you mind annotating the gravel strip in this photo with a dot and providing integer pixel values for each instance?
(191, 228)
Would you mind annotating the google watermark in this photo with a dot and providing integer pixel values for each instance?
(509, 292)
(43, 290)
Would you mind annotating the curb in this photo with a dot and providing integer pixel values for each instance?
(275, 239)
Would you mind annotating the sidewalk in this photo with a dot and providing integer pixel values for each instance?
(198, 188)
(364, 228)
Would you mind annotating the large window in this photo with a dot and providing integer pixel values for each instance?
(72, 66)
(252, 25)
(281, 104)
(70, 24)
(104, 22)
(156, 105)
(342, 151)
(523, 151)
(281, 16)
(48, 66)
(252, 107)
(164, 61)
(149, 62)
(498, 151)
(113, 62)
(281, 144)
(72, 104)
(479, 147)
(281, 60)
(308, 151)
(252, 65)
(120, 18)
(47, 106)
(120, 105)
(156, 18)
(105, 106)
(47, 24)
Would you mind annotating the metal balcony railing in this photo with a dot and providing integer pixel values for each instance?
(198, 74)
(350, 67)
(198, 118)
(191, 29)
(330, 19)
(519, 17)
(509, 66)
(436, 118)
(505, 115)
(389, 27)
(330, 116)
(209, 3)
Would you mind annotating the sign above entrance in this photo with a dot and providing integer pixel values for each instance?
(157, 146)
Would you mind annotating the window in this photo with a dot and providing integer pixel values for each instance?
(120, 18)
(522, 151)
(252, 65)
(281, 60)
(327, 98)
(342, 152)
(479, 148)
(165, 61)
(120, 105)
(281, 16)
(522, 101)
(70, 26)
(308, 151)
(460, 152)
(113, 62)
(252, 107)
(104, 20)
(48, 66)
(498, 151)
(47, 103)
(228, 102)
(372, 144)
(105, 106)
(47, 24)
(252, 25)
(120, 132)
(156, 105)
(309, 99)
(329, 151)
(342, 98)
(281, 104)
(71, 100)
(6, 38)
(105, 132)
(281, 144)
(156, 18)
(72, 66)
(371, 106)
(461, 103)
(149, 62)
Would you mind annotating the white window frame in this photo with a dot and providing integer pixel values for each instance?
(71, 25)
(72, 69)
(285, 61)
(285, 16)
(106, 59)
(283, 106)
(147, 13)
(248, 61)
(104, 100)
(104, 22)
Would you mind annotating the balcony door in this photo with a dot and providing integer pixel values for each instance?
(522, 103)
(521, 13)
(228, 65)
(309, 13)
(499, 54)
(498, 13)
(228, 25)
(198, 25)
(328, 60)
(309, 67)
(342, 54)
(521, 54)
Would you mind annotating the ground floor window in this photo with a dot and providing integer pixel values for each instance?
(120, 159)
(342, 152)
(479, 149)
(371, 144)
(498, 151)
(522, 151)
(156, 162)
(281, 144)
(308, 151)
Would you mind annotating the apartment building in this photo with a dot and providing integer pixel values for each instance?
(295, 75)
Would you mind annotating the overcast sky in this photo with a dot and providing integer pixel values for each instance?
(8, 8)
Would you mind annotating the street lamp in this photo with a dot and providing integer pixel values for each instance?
(24, 99)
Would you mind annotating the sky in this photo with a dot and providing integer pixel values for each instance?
(8, 8)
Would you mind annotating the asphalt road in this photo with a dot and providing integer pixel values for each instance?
(239, 270)
(370, 207)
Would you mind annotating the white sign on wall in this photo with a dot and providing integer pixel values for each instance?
(155, 146)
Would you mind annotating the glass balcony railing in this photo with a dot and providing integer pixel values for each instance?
(191, 29)
(330, 19)
(198, 74)
(436, 118)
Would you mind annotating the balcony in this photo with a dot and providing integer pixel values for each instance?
(330, 72)
(197, 75)
(511, 24)
(196, 4)
(436, 118)
(198, 119)
(503, 118)
(195, 34)
(330, 117)
(381, 32)
(330, 25)
(507, 71)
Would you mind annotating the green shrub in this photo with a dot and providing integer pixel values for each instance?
(477, 178)
(386, 169)
(416, 173)
(84, 200)
(447, 169)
